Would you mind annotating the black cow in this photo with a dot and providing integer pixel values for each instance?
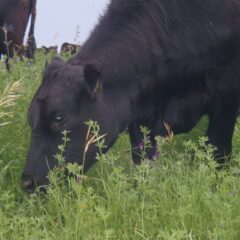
(49, 50)
(69, 48)
(146, 63)
(14, 16)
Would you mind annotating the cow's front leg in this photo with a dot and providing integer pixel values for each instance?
(222, 120)
(138, 145)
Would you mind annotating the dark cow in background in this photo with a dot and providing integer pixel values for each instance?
(69, 48)
(14, 17)
(146, 63)
(49, 50)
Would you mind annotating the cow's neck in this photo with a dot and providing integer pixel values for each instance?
(126, 63)
(125, 79)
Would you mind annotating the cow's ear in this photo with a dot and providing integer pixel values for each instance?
(92, 80)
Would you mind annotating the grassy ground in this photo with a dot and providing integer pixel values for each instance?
(179, 196)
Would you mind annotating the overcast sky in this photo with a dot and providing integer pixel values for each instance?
(58, 20)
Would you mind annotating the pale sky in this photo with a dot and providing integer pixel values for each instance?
(58, 20)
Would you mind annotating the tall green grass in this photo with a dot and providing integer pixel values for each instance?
(179, 196)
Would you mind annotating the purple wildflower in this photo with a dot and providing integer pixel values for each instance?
(78, 179)
(156, 154)
(141, 146)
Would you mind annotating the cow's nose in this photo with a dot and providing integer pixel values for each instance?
(28, 184)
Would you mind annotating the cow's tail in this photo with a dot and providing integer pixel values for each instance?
(31, 43)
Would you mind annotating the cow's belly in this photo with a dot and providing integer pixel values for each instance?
(181, 114)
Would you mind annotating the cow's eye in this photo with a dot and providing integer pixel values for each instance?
(59, 118)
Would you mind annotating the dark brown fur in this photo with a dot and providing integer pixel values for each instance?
(15, 15)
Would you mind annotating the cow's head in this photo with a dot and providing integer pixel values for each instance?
(69, 96)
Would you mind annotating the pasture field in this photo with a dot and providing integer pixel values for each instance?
(178, 196)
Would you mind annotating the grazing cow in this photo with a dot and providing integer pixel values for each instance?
(69, 48)
(146, 63)
(14, 16)
(51, 49)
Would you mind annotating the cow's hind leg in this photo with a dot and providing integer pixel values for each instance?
(10, 54)
(222, 119)
(138, 146)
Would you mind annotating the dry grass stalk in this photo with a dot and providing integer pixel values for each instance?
(91, 138)
(8, 98)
